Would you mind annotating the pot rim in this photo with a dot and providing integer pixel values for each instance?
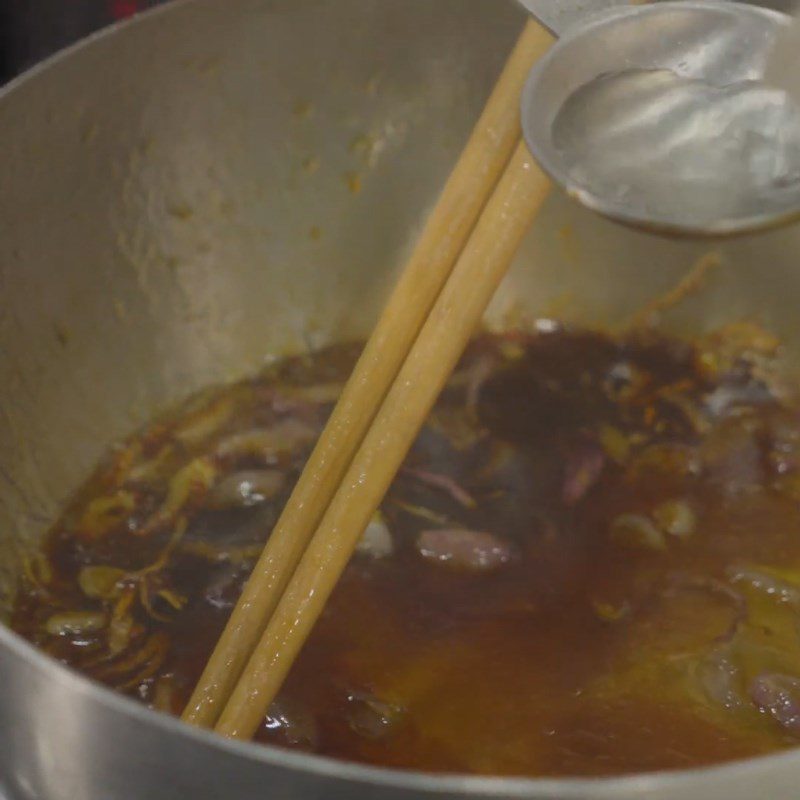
(633, 785)
(612, 788)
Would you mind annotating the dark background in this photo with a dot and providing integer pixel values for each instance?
(33, 29)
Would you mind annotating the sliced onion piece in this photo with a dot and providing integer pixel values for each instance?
(376, 541)
(246, 488)
(637, 532)
(463, 549)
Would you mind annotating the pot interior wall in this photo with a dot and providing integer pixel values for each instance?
(220, 184)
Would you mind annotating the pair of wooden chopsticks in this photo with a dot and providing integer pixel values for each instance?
(487, 205)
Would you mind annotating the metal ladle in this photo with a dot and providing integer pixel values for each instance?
(627, 113)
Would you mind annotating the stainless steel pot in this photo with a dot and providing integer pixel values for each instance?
(220, 183)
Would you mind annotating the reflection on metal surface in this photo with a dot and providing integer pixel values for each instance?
(114, 242)
(630, 114)
(681, 149)
(559, 15)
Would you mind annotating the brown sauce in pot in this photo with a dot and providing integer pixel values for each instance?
(589, 565)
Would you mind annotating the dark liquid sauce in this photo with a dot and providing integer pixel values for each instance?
(590, 564)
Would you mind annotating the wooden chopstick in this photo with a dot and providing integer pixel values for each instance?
(470, 184)
(450, 324)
